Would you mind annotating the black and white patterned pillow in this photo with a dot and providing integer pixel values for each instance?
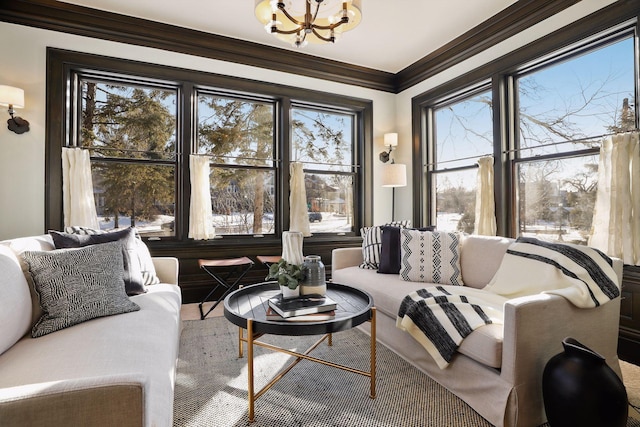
(147, 268)
(430, 256)
(132, 270)
(76, 285)
(372, 243)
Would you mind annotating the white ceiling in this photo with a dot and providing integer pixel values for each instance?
(392, 35)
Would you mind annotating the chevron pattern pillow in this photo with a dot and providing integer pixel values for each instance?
(430, 256)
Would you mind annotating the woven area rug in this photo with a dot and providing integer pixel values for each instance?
(211, 385)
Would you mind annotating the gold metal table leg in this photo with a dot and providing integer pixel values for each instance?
(252, 340)
(373, 353)
(250, 368)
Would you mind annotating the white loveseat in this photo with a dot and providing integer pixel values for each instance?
(111, 371)
(498, 369)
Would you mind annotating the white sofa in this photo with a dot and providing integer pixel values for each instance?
(111, 371)
(498, 370)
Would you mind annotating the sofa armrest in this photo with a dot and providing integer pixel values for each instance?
(534, 327)
(345, 257)
(166, 269)
(105, 401)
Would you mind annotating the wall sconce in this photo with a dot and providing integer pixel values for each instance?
(13, 97)
(390, 140)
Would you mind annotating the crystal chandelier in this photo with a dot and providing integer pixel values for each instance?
(308, 21)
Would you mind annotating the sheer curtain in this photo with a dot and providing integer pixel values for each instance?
(298, 214)
(485, 223)
(615, 228)
(77, 189)
(200, 212)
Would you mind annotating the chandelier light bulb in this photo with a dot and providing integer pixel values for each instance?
(299, 41)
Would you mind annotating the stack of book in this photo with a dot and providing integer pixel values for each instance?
(302, 309)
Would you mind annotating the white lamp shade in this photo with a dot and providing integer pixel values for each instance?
(394, 175)
(391, 139)
(10, 95)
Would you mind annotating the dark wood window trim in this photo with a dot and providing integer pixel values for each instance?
(69, 18)
(60, 67)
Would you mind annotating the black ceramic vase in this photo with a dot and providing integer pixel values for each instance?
(580, 389)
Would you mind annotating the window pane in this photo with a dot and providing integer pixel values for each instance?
(136, 124)
(243, 201)
(463, 129)
(456, 200)
(322, 140)
(329, 202)
(556, 198)
(237, 132)
(585, 96)
(138, 195)
(125, 121)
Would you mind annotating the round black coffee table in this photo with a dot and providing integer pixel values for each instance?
(247, 308)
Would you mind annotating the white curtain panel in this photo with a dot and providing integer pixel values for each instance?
(298, 214)
(615, 229)
(77, 189)
(201, 215)
(485, 223)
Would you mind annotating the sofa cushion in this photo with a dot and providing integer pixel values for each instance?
(431, 256)
(149, 276)
(19, 246)
(132, 270)
(76, 285)
(480, 257)
(483, 344)
(15, 300)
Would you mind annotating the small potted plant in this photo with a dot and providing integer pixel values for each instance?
(288, 277)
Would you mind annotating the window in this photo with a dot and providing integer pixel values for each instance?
(564, 109)
(552, 110)
(141, 122)
(130, 131)
(239, 136)
(323, 142)
(462, 134)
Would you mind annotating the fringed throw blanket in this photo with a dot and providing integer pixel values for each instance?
(439, 318)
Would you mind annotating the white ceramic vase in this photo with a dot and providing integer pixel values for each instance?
(292, 247)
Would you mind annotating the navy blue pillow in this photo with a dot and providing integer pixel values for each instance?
(390, 254)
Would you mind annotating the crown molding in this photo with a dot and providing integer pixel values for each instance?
(84, 21)
(519, 16)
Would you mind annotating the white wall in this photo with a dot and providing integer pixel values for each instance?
(24, 65)
(403, 100)
(22, 157)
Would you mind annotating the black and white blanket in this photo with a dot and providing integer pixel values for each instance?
(441, 317)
